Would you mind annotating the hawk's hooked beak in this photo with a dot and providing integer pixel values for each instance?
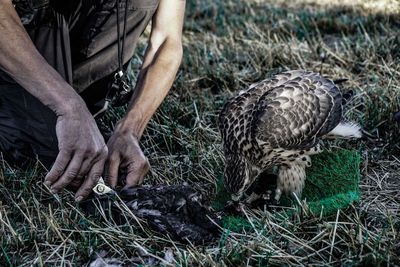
(236, 197)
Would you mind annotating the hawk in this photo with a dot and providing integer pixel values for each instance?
(280, 122)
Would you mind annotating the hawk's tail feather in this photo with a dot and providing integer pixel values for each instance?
(346, 129)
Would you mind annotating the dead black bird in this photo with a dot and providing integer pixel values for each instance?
(178, 211)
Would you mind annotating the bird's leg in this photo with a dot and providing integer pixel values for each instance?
(280, 184)
(291, 178)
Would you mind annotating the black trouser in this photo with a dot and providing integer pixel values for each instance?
(79, 39)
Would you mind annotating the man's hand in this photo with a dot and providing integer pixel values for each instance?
(82, 151)
(125, 154)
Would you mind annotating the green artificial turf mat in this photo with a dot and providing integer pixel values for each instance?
(331, 184)
(332, 181)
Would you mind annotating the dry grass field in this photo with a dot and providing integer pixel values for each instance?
(229, 44)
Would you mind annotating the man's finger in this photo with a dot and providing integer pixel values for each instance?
(146, 169)
(112, 171)
(132, 179)
(90, 181)
(71, 172)
(85, 168)
(58, 168)
(136, 174)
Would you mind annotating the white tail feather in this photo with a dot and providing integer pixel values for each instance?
(346, 130)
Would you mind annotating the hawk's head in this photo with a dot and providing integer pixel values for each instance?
(239, 174)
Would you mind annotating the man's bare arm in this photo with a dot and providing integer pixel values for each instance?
(20, 59)
(81, 147)
(161, 62)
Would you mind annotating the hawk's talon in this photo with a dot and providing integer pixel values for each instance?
(235, 208)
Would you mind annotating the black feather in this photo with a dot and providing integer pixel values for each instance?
(397, 118)
(338, 81)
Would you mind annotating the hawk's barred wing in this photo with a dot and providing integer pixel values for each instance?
(294, 114)
(235, 119)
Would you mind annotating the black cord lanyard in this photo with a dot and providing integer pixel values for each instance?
(121, 44)
(119, 89)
